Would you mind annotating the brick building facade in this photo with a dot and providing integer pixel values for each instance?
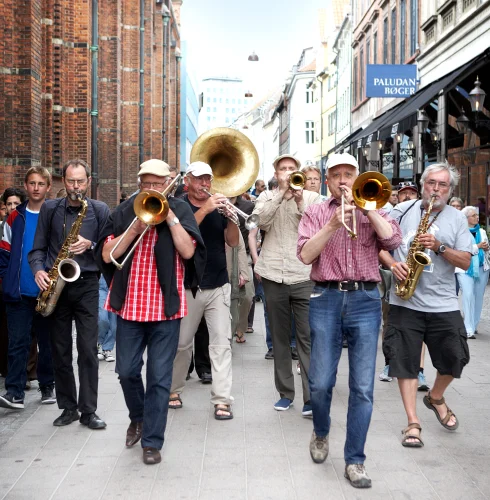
(52, 52)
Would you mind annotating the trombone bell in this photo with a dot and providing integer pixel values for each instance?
(371, 190)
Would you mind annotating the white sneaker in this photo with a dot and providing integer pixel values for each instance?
(100, 354)
(108, 356)
(383, 376)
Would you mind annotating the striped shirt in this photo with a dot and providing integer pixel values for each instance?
(344, 258)
(144, 299)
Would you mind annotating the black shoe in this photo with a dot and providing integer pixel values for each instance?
(294, 354)
(47, 395)
(66, 418)
(10, 401)
(92, 421)
(269, 354)
(206, 378)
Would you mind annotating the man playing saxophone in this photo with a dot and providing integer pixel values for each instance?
(79, 299)
(423, 303)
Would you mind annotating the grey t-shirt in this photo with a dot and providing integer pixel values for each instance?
(436, 289)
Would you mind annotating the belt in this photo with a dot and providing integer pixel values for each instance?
(88, 274)
(347, 286)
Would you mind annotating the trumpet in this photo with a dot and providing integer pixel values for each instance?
(297, 180)
(251, 221)
(151, 207)
(371, 190)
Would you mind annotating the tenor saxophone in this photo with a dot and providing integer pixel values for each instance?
(64, 269)
(416, 260)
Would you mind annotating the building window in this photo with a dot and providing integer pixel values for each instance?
(310, 132)
(221, 99)
(403, 29)
(214, 99)
(233, 101)
(393, 36)
(309, 96)
(214, 110)
(414, 24)
(375, 48)
(385, 41)
(227, 101)
(233, 111)
(355, 81)
(227, 120)
(361, 74)
(208, 99)
(208, 109)
(368, 51)
(209, 118)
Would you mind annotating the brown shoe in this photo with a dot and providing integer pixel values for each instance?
(151, 456)
(133, 434)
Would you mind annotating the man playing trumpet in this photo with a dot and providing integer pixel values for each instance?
(345, 299)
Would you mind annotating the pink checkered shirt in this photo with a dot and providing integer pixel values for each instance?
(144, 299)
(344, 258)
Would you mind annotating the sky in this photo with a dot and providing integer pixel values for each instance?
(221, 34)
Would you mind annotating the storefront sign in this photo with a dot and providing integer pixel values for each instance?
(391, 80)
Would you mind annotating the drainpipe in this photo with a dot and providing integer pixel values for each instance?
(142, 83)
(322, 173)
(94, 112)
(178, 58)
(166, 18)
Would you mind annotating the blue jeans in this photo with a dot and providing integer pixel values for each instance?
(161, 339)
(22, 320)
(357, 314)
(473, 291)
(107, 320)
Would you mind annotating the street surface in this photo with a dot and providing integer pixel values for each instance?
(261, 454)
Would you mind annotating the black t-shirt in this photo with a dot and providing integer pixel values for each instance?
(247, 207)
(213, 233)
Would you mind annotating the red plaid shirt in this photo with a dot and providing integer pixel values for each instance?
(144, 299)
(344, 258)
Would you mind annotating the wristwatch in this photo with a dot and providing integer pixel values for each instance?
(441, 249)
(174, 221)
(92, 246)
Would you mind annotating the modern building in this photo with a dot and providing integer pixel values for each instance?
(189, 115)
(223, 101)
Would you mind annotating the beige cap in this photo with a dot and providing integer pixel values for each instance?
(337, 159)
(279, 158)
(154, 167)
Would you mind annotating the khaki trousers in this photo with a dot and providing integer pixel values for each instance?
(246, 302)
(214, 305)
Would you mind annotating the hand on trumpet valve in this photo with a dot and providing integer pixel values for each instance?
(297, 195)
(215, 202)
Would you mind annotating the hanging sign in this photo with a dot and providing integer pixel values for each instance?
(391, 80)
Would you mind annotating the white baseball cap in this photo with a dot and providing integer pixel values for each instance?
(154, 167)
(198, 168)
(281, 157)
(342, 159)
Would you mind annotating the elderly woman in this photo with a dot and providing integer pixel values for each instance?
(456, 202)
(474, 280)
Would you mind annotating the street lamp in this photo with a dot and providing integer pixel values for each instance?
(422, 120)
(463, 124)
(477, 97)
(165, 14)
(365, 150)
(398, 137)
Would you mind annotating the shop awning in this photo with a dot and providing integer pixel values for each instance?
(405, 113)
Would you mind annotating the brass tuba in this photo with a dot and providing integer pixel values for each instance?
(232, 158)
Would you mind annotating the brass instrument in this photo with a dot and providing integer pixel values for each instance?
(370, 191)
(235, 165)
(416, 260)
(150, 207)
(297, 180)
(232, 158)
(64, 270)
(251, 221)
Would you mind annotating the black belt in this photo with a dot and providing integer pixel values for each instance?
(347, 286)
(89, 274)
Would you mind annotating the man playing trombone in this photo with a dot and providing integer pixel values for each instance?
(148, 295)
(345, 299)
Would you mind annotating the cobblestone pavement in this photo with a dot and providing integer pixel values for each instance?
(261, 454)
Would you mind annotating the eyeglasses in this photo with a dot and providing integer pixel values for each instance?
(149, 185)
(72, 182)
(433, 184)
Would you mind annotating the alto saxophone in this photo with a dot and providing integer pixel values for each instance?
(64, 269)
(417, 259)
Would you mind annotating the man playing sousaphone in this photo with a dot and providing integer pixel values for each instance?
(423, 303)
(346, 300)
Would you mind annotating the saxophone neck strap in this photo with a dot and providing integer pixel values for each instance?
(433, 220)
